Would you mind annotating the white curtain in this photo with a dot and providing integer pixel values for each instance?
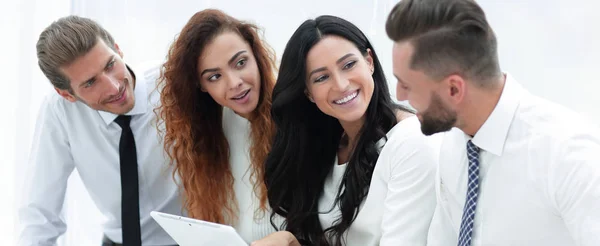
(549, 46)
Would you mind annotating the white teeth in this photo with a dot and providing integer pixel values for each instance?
(346, 98)
(243, 95)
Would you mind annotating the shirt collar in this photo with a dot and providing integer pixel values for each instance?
(140, 105)
(494, 131)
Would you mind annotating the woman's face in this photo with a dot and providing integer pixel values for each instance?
(339, 78)
(229, 73)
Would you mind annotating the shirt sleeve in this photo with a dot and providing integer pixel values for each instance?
(576, 185)
(46, 175)
(410, 201)
(440, 232)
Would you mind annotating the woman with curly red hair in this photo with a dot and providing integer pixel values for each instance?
(215, 106)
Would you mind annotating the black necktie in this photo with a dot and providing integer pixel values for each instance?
(130, 204)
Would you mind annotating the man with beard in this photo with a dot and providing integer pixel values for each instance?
(514, 168)
(100, 122)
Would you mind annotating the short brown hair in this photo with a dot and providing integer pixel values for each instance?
(448, 36)
(65, 40)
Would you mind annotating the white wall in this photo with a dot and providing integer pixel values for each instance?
(550, 46)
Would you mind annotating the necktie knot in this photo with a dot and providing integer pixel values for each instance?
(123, 120)
(472, 148)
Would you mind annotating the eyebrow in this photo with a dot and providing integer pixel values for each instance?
(208, 70)
(236, 56)
(337, 62)
(398, 78)
(110, 59)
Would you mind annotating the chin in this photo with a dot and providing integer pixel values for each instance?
(253, 107)
(350, 118)
(243, 110)
(123, 109)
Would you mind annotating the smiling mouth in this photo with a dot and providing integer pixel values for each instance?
(241, 95)
(116, 99)
(347, 98)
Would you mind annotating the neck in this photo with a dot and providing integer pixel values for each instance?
(479, 106)
(245, 116)
(351, 129)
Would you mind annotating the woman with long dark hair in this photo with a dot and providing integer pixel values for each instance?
(348, 166)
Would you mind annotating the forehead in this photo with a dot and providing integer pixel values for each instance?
(222, 48)
(328, 50)
(401, 54)
(88, 65)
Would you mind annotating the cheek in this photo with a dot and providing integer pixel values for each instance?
(415, 101)
(216, 91)
(319, 94)
(119, 73)
(256, 81)
(91, 101)
(251, 74)
(90, 96)
(363, 76)
(401, 94)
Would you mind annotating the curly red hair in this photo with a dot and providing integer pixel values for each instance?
(193, 133)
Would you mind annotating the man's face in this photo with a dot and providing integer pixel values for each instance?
(423, 93)
(100, 79)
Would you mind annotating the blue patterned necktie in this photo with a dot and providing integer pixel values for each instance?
(466, 226)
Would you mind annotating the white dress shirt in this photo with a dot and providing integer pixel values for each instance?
(401, 198)
(72, 135)
(539, 177)
(252, 224)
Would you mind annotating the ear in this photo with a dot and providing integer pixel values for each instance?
(66, 95)
(369, 58)
(118, 50)
(310, 98)
(456, 88)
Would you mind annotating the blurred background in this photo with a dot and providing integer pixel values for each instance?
(549, 46)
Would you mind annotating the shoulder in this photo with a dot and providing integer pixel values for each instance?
(408, 132)
(149, 74)
(545, 122)
(56, 114)
(56, 107)
(408, 146)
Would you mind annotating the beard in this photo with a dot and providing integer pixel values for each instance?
(438, 117)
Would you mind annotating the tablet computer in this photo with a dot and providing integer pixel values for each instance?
(192, 232)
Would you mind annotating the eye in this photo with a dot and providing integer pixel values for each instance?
(89, 83)
(214, 77)
(404, 87)
(349, 65)
(321, 78)
(110, 65)
(241, 62)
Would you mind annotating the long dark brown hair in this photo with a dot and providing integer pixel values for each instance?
(193, 132)
(307, 140)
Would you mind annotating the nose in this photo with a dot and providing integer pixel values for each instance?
(111, 85)
(340, 82)
(234, 81)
